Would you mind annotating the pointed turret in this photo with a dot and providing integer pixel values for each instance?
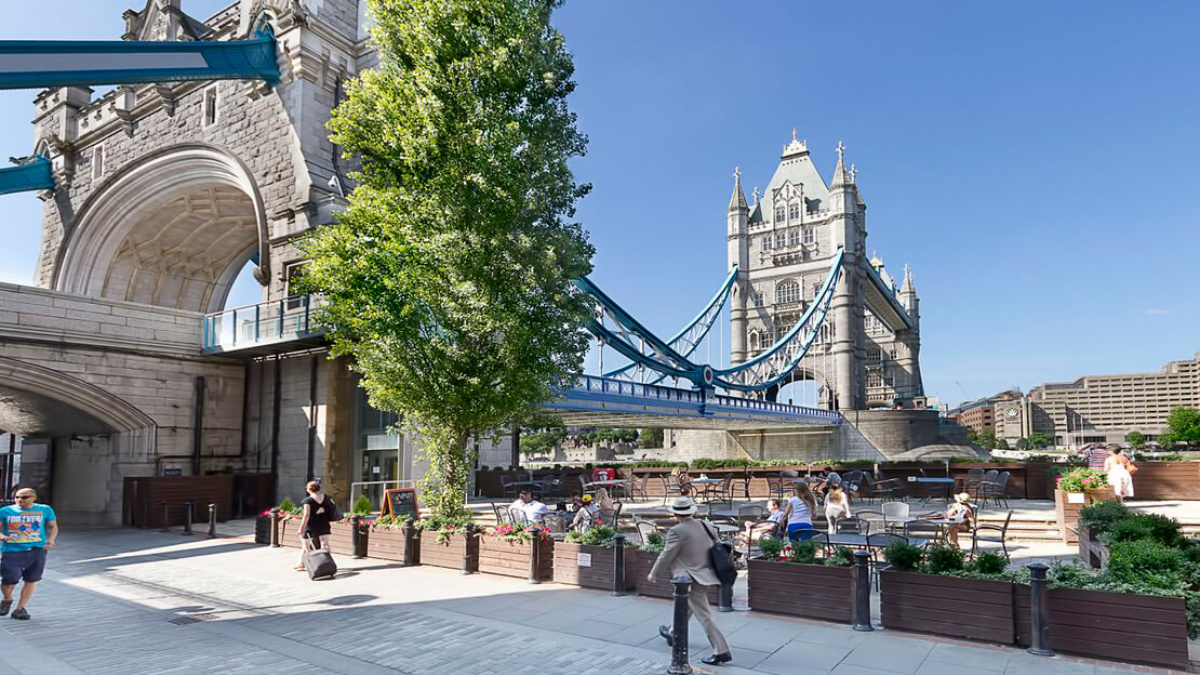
(908, 286)
(738, 201)
(841, 177)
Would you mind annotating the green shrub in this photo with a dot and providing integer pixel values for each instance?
(770, 548)
(654, 543)
(287, 505)
(902, 556)
(843, 556)
(941, 559)
(362, 506)
(598, 535)
(1151, 526)
(1145, 562)
(988, 563)
(1100, 516)
(801, 552)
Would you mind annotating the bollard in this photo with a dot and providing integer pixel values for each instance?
(679, 629)
(411, 547)
(241, 506)
(275, 527)
(1039, 628)
(468, 532)
(187, 519)
(212, 521)
(356, 538)
(166, 526)
(145, 514)
(862, 591)
(618, 565)
(725, 598)
(535, 555)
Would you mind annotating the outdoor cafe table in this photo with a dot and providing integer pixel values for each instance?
(860, 540)
(942, 482)
(705, 485)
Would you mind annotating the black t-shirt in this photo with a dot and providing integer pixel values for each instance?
(318, 515)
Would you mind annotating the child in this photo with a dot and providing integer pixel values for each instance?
(837, 505)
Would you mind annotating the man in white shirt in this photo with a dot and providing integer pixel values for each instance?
(535, 511)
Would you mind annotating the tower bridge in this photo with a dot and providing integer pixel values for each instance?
(122, 362)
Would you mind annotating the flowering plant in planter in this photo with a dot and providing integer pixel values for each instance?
(388, 523)
(510, 532)
(1081, 480)
(443, 526)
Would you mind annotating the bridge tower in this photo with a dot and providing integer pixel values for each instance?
(867, 355)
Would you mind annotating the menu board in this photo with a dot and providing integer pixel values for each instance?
(401, 503)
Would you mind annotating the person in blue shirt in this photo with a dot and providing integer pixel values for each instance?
(27, 529)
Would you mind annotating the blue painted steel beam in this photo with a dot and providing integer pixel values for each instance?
(27, 64)
(33, 175)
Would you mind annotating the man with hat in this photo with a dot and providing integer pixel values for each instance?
(687, 554)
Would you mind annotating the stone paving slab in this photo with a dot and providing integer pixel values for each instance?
(127, 601)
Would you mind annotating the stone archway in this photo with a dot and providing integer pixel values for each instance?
(172, 230)
(802, 375)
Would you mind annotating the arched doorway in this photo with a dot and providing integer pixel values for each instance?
(75, 432)
(171, 230)
(804, 388)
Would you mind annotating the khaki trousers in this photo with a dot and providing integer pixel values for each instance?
(698, 603)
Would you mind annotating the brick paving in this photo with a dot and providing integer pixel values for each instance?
(125, 601)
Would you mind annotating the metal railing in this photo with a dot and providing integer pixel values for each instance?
(265, 323)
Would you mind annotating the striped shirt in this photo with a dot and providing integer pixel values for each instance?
(1096, 457)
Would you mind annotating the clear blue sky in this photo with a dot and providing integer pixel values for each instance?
(1034, 162)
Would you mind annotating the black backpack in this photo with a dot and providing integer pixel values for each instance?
(721, 558)
(335, 514)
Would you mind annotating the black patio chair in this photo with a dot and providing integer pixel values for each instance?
(996, 490)
(888, 490)
(645, 528)
(778, 488)
(671, 487)
(1000, 536)
(740, 484)
(875, 544)
(851, 525)
(507, 488)
(501, 511)
(923, 529)
(975, 488)
(640, 486)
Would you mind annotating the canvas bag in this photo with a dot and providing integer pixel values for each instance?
(721, 559)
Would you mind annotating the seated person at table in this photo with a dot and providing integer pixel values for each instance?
(575, 504)
(821, 482)
(603, 501)
(799, 512)
(586, 515)
(683, 479)
(963, 511)
(771, 524)
(535, 511)
(837, 505)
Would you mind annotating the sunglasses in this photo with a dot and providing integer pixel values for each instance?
(25, 496)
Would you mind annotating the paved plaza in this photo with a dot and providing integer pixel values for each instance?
(131, 601)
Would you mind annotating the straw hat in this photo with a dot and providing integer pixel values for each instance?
(683, 506)
(962, 497)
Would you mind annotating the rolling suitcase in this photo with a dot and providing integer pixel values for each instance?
(319, 563)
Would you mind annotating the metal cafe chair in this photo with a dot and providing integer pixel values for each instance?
(1001, 536)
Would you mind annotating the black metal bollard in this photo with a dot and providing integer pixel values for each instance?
(679, 628)
(356, 537)
(725, 598)
(275, 527)
(862, 591)
(145, 514)
(1039, 628)
(535, 555)
(618, 565)
(187, 519)
(412, 549)
(166, 526)
(468, 533)
(212, 521)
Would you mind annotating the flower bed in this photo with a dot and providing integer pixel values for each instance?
(640, 563)
(1076, 489)
(507, 549)
(451, 549)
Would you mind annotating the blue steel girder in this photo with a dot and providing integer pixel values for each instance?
(883, 302)
(36, 174)
(28, 64)
(777, 363)
(690, 336)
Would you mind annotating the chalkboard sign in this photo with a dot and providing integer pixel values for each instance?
(401, 503)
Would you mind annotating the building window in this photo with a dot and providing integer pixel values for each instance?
(793, 237)
(758, 299)
(210, 106)
(794, 211)
(780, 240)
(810, 235)
(766, 243)
(779, 214)
(788, 291)
(874, 356)
(98, 162)
(874, 380)
(753, 341)
(291, 274)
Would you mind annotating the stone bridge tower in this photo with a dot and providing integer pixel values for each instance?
(867, 354)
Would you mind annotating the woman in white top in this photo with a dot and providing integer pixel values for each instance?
(1120, 476)
(587, 514)
(837, 505)
(800, 510)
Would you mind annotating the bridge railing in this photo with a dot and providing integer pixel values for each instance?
(265, 323)
(605, 385)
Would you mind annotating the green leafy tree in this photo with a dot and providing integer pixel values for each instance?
(1183, 427)
(1039, 440)
(972, 436)
(652, 437)
(986, 439)
(448, 279)
(1001, 444)
(1024, 444)
(1136, 440)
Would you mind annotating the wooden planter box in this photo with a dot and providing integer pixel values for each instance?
(512, 558)
(1093, 553)
(640, 563)
(451, 554)
(339, 539)
(1115, 626)
(812, 591)
(386, 544)
(1067, 513)
(597, 568)
(967, 608)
